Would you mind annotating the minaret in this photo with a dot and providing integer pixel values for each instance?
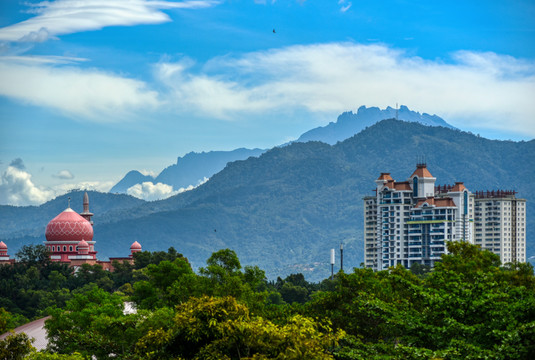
(86, 214)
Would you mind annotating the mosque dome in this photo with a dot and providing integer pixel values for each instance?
(69, 226)
(3, 246)
(135, 246)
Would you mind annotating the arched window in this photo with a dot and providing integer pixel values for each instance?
(53, 248)
(415, 186)
(70, 248)
(64, 248)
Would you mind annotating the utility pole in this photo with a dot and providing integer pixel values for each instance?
(342, 256)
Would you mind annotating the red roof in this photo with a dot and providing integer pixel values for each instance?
(69, 226)
(135, 245)
(459, 186)
(403, 185)
(422, 172)
(385, 176)
(3, 245)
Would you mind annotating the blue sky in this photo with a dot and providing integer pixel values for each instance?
(92, 89)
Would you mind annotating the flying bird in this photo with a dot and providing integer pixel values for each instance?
(274, 32)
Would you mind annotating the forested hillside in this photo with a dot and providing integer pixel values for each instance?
(285, 210)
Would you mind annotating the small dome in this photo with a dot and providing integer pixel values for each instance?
(69, 226)
(83, 244)
(135, 246)
(3, 246)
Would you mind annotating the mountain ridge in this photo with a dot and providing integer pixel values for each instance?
(285, 209)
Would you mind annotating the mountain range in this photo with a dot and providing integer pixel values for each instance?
(194, 168)
(191, 169)
(286, 209)
(349, 124)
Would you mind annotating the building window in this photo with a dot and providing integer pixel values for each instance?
(415, 186)
(64, 248)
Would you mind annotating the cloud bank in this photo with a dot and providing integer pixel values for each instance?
(90, 94)
(485, 90)
(470, 89)
(17, 188)
(61, 17)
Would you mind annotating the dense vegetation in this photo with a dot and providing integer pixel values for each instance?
(286, 209)
(468, 307)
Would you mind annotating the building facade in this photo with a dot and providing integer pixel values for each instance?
(500, 224)
(410, 221)
(69, 239)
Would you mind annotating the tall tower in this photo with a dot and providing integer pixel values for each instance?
(86, 214)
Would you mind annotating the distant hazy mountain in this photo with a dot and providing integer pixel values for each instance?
(188, 170)
(286, 209)
(349, 124)
(130, 179)
(194, 167)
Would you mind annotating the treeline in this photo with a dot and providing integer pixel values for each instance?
(468, 307)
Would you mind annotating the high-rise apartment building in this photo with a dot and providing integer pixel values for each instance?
(410, 221)
(500, 224)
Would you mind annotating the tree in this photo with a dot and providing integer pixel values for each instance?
(92, 323)
(221, 328)
(15, 347)
(33, 255)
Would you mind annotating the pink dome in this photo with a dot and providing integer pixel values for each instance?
(69, 226)
(3, 246)
(83, 244)
(135, 246)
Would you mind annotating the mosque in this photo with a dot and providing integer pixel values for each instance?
(69, 240)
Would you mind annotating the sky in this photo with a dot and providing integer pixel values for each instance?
(91, 89)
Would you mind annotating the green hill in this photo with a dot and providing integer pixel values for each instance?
(285, 210)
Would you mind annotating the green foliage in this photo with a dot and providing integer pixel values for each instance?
(220, 328)
(33, 255)
(143, 259)
(92, 323)
(15, 346)
(54, 356)
(468, 307)
(10, 321)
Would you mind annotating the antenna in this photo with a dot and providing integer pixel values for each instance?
(332, 264)
(341, 256)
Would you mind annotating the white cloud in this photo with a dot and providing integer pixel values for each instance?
(147, 172)
(102, 186)
(90, 94)
(150, 191)
(61, 17)
(483, 90)
(344, 5)
(17, 188)
(64, 174)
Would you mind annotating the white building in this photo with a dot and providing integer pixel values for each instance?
(500, 224)
(410, 221)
